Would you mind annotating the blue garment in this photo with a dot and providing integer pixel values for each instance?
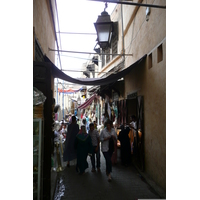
(87, 124)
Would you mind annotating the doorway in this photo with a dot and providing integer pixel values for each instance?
(135, 106)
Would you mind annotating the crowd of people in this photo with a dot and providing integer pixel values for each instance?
(88, 141)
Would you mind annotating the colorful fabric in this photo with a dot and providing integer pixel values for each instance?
(88, 102)
(69, 91)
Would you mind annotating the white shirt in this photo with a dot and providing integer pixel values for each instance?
(94, 137)
(57, 135)
(135, 127)
(104, 134)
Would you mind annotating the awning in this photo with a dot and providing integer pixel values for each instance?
(88, 102)
(57, 73)
(93, 89)
(117, 87)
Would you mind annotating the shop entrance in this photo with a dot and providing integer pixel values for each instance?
(135, 107)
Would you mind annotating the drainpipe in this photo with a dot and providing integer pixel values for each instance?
(63, 98)
(57, 93)
(57, 87)
(54, 27)
(123, 59)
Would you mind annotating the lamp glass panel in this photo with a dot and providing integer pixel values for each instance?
(103, 32)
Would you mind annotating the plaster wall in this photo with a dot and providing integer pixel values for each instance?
(151, 83)
(143, 37)
(43, 27)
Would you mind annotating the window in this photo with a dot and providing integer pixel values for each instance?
(150, 61)
(113, 47)
(159, 54)
(114, 40)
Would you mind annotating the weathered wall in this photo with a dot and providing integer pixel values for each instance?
(144, 37)
(42, 22)
(151, 83)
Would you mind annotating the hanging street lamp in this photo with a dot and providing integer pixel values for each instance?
(104, 28)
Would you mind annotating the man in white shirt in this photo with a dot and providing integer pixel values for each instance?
(133, 125)
(105, 135)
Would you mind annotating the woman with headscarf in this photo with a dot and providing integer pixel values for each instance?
(70, 151)
(83, 144)
(125, 145)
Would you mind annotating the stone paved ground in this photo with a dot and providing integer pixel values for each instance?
(126, 184)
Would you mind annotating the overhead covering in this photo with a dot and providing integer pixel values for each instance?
(88, 102)
(57, 73)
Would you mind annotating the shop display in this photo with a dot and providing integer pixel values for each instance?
(37, 129)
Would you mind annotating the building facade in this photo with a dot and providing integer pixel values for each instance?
(142, 33)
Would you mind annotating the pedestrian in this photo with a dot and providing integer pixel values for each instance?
(96, 150)
(70, 118)
(125, 145)
(79, 123)
(87, 123)
(105, 135)
(70, 152)
(95, 125)
(83, 144)
(63, 130)
(75, 112)
(84, 123)
(133, 126)
(104, 118)
(57, 131)
(114, 155)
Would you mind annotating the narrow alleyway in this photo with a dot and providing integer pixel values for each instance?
(126, 184)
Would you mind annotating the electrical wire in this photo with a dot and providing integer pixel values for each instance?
(81, 58)
(74, 33)
(131, 3)
(58, 23)
(135, 35)
(54, 26)
(130, 44)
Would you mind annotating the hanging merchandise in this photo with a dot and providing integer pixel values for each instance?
(106, 98)
(88, 102)
(116, 112)
(69, 91)
(109, 110)
(38, 101)
(38, 97)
